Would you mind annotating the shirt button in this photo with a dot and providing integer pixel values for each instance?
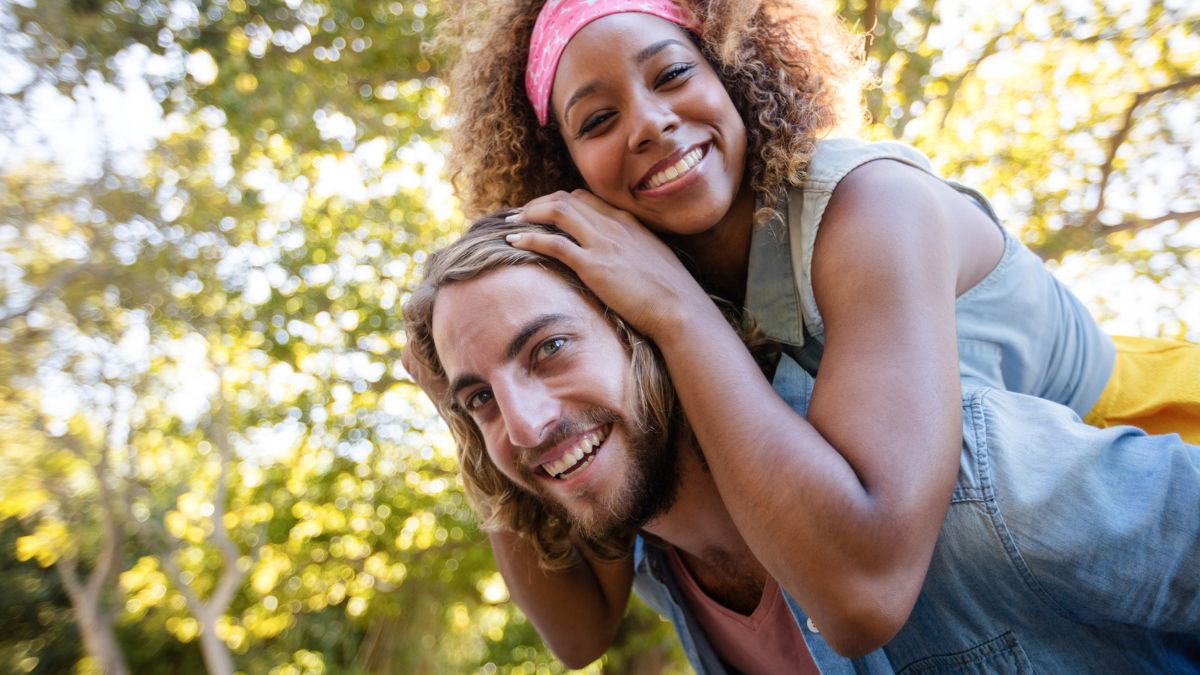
(812, 626)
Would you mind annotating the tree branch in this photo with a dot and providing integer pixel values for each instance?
(231, 575)
(1091, 221)
(68, 570)
(108, 562)
(53, 286)
(955, 83)
(1143, 223)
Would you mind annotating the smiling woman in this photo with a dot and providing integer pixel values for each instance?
(507, 157)
(690, 186)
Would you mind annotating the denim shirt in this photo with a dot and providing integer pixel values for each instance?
(1019, 328)
(1066, 548)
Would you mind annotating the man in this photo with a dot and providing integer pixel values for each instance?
(1065, 548)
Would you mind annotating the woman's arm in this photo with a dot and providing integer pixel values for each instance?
(842, 508)
(577, 610)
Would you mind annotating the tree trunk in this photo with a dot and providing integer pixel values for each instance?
(217, 658)
(95, 623)
(100, 639)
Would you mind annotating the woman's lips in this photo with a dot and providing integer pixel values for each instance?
(673, 169)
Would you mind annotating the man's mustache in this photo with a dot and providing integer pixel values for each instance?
(567, 428)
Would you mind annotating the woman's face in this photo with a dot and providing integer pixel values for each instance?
(649, 124)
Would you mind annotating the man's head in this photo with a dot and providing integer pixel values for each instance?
(562, 414)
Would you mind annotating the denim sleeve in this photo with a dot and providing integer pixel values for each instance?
(1104, 523)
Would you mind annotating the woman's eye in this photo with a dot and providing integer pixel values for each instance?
(478, 400)
(674, 72)
(550, 347)
(594, 121)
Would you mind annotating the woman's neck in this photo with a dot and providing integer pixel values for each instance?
(720, 256)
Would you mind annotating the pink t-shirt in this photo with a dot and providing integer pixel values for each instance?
(768, 641)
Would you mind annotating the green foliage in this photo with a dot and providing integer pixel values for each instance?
(200, 330)
(39, 635)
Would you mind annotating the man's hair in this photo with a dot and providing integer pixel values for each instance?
(502, 504)
(791, 68)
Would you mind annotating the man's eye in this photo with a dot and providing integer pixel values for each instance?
(550, 347)
(478, 400)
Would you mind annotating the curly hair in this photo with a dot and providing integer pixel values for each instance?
(792, 69)
(501, 504)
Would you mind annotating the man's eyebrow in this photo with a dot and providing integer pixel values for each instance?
(462, 382)
(533, 327)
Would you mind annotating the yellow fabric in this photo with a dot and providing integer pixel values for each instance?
(1155, 386)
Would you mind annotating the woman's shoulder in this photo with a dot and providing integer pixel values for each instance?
(835, 158)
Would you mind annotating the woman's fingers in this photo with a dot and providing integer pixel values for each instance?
(580, 214)
(600, 206)
(555, 246)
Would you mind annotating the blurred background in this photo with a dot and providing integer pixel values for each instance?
(211, 459)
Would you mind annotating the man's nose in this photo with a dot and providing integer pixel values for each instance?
(652, 118)
(530, 413)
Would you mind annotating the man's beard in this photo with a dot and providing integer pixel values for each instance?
(649, 488)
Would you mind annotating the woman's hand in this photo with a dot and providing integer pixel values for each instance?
(625, 265)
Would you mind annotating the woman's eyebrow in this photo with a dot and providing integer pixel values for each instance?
(579, 94)
(655, 48)
(640, 58)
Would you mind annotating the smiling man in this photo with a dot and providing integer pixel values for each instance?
(548, 385)
(1065, 548)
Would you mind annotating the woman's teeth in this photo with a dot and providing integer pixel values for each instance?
(675, 170)
(576, 458)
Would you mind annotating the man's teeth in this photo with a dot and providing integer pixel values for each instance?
(577, 457)
(675, 170)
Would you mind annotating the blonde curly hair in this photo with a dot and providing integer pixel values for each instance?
(792, 69)
(502, 504)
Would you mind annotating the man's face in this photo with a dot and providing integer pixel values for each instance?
(546, 379)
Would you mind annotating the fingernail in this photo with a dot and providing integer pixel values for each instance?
(512, 238)
(511, 217)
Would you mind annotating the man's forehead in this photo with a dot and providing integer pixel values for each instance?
(494, 306)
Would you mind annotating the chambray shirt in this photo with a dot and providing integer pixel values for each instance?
(1066, 549)
(1018, 329)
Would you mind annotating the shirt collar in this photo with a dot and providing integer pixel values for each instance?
(771, 295)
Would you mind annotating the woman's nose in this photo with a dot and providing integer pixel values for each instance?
(653, 119)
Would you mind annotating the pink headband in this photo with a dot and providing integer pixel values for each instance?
(560, 20)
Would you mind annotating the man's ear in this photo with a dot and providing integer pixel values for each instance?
(433, 383)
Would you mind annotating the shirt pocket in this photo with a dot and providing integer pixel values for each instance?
(1001, 654)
